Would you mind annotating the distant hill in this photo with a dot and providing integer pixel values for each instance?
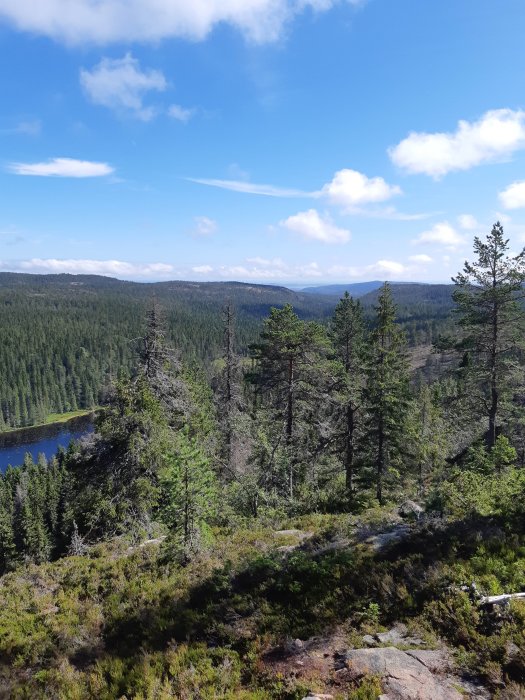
(414, 299)
(355, 289)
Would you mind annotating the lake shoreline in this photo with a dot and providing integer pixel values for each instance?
(66, 420)
(44, 439)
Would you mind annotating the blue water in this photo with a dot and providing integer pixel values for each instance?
(44, 439)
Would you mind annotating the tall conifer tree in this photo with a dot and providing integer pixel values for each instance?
(386, 392)
(488, 295)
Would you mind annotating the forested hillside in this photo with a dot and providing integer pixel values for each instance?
(308, 521)
(65, 338)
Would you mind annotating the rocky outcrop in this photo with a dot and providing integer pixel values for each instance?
(404, 675)
(397, 636)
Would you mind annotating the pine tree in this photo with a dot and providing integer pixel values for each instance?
(488, 293)
(288, 376)
(386, 392)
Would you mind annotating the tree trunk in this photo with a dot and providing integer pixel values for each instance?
(380, 461)
(289, 401)
(349, 452)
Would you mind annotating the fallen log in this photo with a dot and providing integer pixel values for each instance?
(500, 599)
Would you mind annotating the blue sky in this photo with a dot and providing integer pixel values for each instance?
(280, 141)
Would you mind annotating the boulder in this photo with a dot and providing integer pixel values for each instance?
(404, 677)
(410, 510)
(396, 636)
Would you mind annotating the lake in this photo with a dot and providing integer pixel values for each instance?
(44, 439)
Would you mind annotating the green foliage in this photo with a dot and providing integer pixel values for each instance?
(369, 689)
(486, 485)
(469, 493)
(488, 294)
(386, 395)
(188, 494)
(65, 338)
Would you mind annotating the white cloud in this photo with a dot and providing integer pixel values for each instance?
(441, 234)
(204, 226)
(420, 259)
(181, 114)
(311, 225)
(494, 137)
(468, 222)
(259, 269)
(62, 167)
(265, 262)
(202, 269)
(392, 214)
(117, 268)
(106, 21)
(513, 197)
(350, 188)
(251, 188)
(120, 84)
(384, 269)
(390, 268)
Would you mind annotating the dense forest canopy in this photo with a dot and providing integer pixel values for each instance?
(65, 338)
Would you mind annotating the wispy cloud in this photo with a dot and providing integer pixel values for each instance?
(181, 114)
(421, 259)
(204, 226)
(117, 268)
(202, 269)
(468, 222)
(348, 189)
(382, 269)
(494, 137)
(62, 167)
(121, 85)
(32, 127)
(251, 188)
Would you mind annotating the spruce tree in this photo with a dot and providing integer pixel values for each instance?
(188, 493)
(347, 334)
(487, 296)
(386, 392)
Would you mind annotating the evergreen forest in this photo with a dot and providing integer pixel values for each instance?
(64, 339)
(285, 495)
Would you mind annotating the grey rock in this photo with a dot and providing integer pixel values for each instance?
(369, 640)
(294, 646)
(410, 510)
(511, 650)
(436, 660)
(404, 677)
(398, 635)
(383, 539)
